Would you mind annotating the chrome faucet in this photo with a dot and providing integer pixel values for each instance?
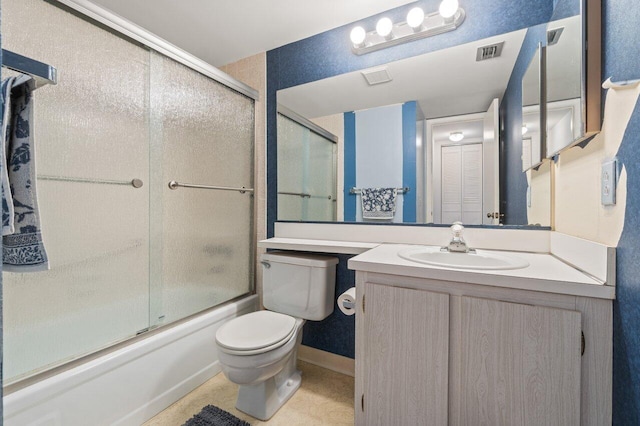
(457, 243)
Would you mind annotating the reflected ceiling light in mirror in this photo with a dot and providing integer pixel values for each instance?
(524, 129)
(456, 136)
(418, 25)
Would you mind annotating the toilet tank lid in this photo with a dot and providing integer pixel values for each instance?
(303, 259)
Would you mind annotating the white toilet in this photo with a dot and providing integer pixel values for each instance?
(258, 351)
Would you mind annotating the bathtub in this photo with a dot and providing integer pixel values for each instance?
(129, 385)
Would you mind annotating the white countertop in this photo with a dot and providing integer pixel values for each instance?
(545, 272)
(324, 246)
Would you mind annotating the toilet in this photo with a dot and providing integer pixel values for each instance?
(258, 351)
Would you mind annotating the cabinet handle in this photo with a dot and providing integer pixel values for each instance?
(362, 403)
(363, 309)
(583, 343)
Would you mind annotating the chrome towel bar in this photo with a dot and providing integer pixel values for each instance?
(175, 185)
(42, 73)
(136, 183)
(300, 194)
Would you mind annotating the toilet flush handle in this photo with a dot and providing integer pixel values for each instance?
(267, 265)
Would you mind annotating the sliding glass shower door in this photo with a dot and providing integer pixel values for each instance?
(124, 259)
(205, 134)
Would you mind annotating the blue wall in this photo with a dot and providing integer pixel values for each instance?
(409, 119)
(337, 332)
(621, 61)
(329, 54)
(350, 202)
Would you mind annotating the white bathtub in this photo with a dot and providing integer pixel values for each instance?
(130, 385)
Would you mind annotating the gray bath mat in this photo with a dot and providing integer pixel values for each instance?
(214, 416)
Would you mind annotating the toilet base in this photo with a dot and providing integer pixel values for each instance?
(264, 399)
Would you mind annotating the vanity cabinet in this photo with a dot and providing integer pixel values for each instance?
(519, 364)
(406, 336)
(432, 352)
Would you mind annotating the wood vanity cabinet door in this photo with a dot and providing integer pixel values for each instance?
(520, 364)
(404, 348)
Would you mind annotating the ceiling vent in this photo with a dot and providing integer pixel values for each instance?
(489, 52)
(553, 35)
(376, 76)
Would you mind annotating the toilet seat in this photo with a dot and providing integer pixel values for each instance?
(255, 333)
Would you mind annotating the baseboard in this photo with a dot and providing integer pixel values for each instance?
(328, 360)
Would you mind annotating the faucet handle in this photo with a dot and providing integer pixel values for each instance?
(457, 228)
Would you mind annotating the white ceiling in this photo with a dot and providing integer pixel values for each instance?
(445, 83)
(224, 31)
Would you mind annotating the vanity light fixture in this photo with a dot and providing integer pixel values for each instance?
(384, 28)
(418, 25)
(456, 136)
(524, 129)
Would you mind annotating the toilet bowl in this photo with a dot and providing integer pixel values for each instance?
(268, 376)
(258, 351)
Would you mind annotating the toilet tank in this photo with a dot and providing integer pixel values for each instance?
(302, 285)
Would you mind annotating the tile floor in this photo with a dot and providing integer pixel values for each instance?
(324, 398)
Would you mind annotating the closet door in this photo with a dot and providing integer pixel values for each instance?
(461, 180)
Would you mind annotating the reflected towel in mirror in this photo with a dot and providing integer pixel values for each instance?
(378, 203)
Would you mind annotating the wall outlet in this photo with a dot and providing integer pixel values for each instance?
(608, 182)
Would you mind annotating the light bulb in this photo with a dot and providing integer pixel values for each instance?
(448, 8)
(415, 18)
(358, 34)
(524, 129)
(384, 27)
(456, 136)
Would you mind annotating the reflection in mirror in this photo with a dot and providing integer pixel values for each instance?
(564, 82)
(531, 94)
(537, 171)
(427, 123)
(306, 171)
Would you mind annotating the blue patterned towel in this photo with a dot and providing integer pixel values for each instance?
(7, 200)
(378, 203)
(22, 251)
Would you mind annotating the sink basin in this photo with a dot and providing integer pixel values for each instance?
(481, 259)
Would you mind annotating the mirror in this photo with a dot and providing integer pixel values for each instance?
(398, 126)
(564, 79)
(537, 171)
(401, 134)
(531, 125)
(573, 74)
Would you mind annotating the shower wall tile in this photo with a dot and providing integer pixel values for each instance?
(253, 72)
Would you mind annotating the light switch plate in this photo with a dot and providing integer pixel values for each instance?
(608, 179)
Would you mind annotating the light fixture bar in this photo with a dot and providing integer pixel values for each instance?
(433, 24)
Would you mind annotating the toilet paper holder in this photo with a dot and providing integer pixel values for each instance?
(348, 305)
